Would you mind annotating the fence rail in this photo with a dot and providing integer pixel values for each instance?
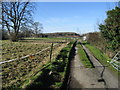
(27, 55)
(116, 61)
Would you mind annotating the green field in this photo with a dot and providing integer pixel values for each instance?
(55, 39)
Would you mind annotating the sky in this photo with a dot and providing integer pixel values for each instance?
(79, 17)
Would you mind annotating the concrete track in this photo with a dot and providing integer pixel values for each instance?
(100, 77)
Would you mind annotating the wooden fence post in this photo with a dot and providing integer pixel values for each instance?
(51, 52)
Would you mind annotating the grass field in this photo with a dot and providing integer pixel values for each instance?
(12, 50)
(48, 40)
(54, 38)
(16, 72)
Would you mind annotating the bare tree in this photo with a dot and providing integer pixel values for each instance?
(14, 14)
(0, 21)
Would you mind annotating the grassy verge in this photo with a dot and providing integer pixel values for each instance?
(83, 57)
(98, 54)
(104, 59)
(53, 75)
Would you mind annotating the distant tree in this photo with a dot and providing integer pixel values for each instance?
(37, 28)
(111, 28)
(26, 31)
(14, 14)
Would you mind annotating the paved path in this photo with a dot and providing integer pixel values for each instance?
(81, 77)
(109, 76)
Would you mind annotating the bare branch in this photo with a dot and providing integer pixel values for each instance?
(14, 14)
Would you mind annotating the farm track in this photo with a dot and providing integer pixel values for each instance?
(106, 74)
(25, 56)
(99, 77)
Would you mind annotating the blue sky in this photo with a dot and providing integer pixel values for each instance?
(79, 17)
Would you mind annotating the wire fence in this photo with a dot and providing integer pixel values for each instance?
(28, 55)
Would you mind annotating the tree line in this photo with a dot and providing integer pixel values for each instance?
(108, 39)
(110, 29)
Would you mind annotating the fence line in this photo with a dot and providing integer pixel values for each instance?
(27, 55)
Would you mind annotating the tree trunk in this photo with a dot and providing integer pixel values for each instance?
(14, 37)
